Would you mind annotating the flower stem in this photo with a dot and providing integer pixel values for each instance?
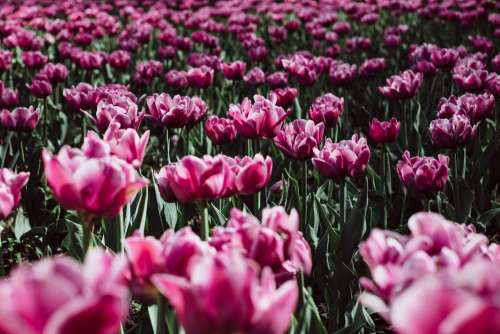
(343, 201)
(304, 209)
(88, 227)
(161, 327)
(205, 227)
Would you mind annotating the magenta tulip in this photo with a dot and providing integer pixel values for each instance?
(298, 138)
(250, 174)
(384, 132)
(200, 77)
(176, 112)
(119, 59)
(263, 118)
(402, 86)
(452, 132)
(255, 77)
(20, 119)
(54, 72)
(225, 295)
(234, 70)
(118, 109)
(220, 130)
(40, 87)
(34, 59)
(11, 184)
(285, 97)
(423, 174)
(326, 109)
(79, 97)
(126, 144)
(345, 158)
(177, 79)
(58, 295)
(91, 180)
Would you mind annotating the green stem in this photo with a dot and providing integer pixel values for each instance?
(205, 227)
(343, 201)
(304, 209)
(161, 326)
(88, 227)
(384, 187)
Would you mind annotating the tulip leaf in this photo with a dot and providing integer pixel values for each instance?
(73, 240)
(22, 224)
(463, 201)
(488, 216)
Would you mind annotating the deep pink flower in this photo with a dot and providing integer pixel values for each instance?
(20, 119)
(200, 77)
(8, 97)
(146, 71)
(495, 63)
(451, 132)
(469, 74)
(33, 59)
(250, 174)
(423, 174)
(40, 87)
(402, 86)
(196, 179)
(327, 109)
(126, 144)
(298, 138)
(263, 118)
(493, 84)
(425, 67)
(119, 59)
(285, 97)
(88, 60)
(372, 66)
(277, 79)
(118, 109)
(341, 73)
(54, 72)
(176, 112)
(79, 97)
(225, 295)
(11, 184)
(277, 34)
(220, 130)
(481, 43)
(177, 79)
(385, 131)
(5, 60)
(255, 77)
(58, 295)
(444, 58)
(301, 67)
(345, 158)
(234, 70)
(91, 180)
(475, 107)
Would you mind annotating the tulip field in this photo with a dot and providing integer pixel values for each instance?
(249, 167)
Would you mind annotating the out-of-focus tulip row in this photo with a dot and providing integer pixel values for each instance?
(195, 166)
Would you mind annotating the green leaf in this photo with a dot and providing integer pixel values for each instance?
(21, 224)
(488, 216)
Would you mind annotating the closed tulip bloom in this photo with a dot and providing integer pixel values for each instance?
(345, 158)
(91, 180)
(20, 119)
(384, 132)
(194, 179)
(250, 174)
(177, 79)
(495, 63)
(200, 77)
(423, 174)
(327, 109)
(341, 74)
(285, 96)
(61, 296)
(262, 118)
(372, 66)
(119, 59)
(298, 138)
(452, 132)
(5, 60)
(277, 79)
(54, 72)
(234, 70)
(469, 74)
(225, 294)
(493, 84)
(8, 97)
(176, 112)
(126, 144)
(255, 77)
(118, 109)
(11, 184)
(33, 59)
(220, 130)
(402, 86)
(40, 87)
(444, 58)
(79, 97)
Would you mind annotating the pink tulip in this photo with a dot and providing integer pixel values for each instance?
(285, 97)
(384, 132)
(341, 73)
(372, 66)
(8, 97)
(58, 295)
(33, 59)
(172, 254)
(176, 112)
(326, 109)
(177, 79)
(20, 119)
(423, 174)
(277, 79)
(91, 180)
(40, 87)
(451, 132)
(11, 184)
(345, 158)
(220, 130)
(118, 109)
(250, 174)
(126, 144)
(444, 58)
(5, 60)
(234, 70)
(196, 179)
(146, 71)
(263, 118)
(119, 59)
(54, 72)
(255, 77)
(298, 138)
(402, 86)
(225, 295)
(200, 77)
(79, 97)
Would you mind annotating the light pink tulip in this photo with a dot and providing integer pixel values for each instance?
(11, 184)
(250, 174)
(126, 144)
(225, 295)
(298, 138)
(60, 296)
(176, 112)
(118, 109)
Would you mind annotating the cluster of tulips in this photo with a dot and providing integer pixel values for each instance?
(231, 167)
